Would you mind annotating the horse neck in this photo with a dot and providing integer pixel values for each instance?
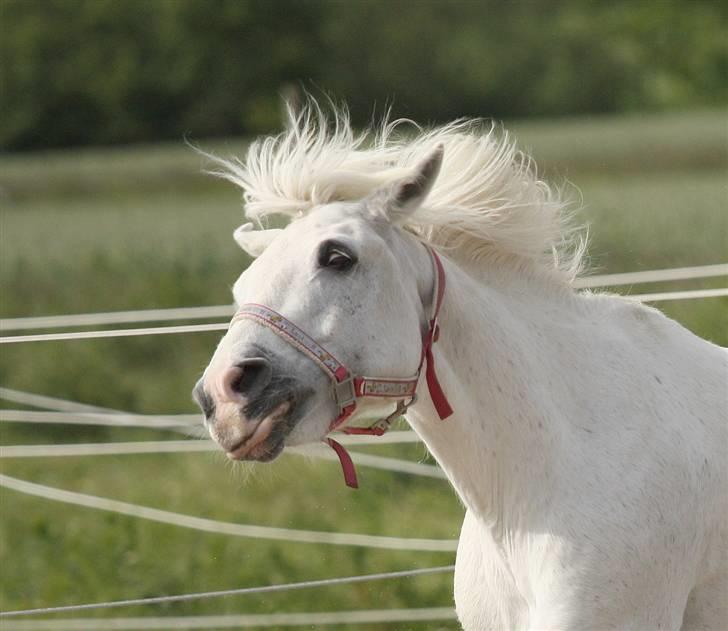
(497, 447)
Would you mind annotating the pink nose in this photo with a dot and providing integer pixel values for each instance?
(246, 379)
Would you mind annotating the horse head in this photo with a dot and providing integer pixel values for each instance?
(353, 283)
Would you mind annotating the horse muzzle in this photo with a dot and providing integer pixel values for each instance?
(262, 440)
(246, 409)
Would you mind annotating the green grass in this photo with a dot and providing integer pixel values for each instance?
(66, 544)
(140, 228)
(628, 144)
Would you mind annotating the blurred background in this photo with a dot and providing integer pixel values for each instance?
(104, 207)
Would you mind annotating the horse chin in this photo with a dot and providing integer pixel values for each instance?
(266, 451)
(266, 441)
(288, 425)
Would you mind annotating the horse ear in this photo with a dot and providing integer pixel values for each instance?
(254, 242)
(405, 196)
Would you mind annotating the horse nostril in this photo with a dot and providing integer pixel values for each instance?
(203, 399)
(247, 378)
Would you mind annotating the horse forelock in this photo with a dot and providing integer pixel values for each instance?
(487, 203)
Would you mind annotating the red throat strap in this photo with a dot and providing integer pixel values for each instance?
(439, 400)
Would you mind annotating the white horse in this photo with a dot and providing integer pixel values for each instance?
(588, 438)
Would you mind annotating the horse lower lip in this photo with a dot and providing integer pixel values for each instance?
(258, 436)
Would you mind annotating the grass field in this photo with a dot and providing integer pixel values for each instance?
(104, 230)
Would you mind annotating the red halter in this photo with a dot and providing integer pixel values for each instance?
(348, 388)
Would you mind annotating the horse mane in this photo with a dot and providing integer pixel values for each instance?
(486, 203)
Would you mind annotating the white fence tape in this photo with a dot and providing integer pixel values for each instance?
(88, 335)
(97, 418)
(311, 620)
(681, 295)
(116, 317)
(51, 403)
(653, 276)
(107, 449)
(264, 589)
(162, 421)
(214, 311)
(227, 528)
(196, 446)
(72, 412)
(222, 326)
(243, 621)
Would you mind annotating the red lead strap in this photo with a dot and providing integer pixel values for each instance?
(347, 465)
(347, 388)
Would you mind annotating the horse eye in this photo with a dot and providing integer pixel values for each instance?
(338, 260)
(336, 257)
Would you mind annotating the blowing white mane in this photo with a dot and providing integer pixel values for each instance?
(487, 201)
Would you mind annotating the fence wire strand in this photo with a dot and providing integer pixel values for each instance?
(224, 311)
(116, 317)
(227, 528)
(119, 419)
(681, 295)
(223, 326)
(192, 313)
(72, 412)
(89, 335)
(240, 621)
(265, 589)
(51, 403)
(394, 465)
(652, 276)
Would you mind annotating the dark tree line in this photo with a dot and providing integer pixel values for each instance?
(78, 72)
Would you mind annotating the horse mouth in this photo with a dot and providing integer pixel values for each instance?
(265, 442)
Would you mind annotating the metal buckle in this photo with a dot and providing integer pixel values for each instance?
(344, 392)
(385, 423)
